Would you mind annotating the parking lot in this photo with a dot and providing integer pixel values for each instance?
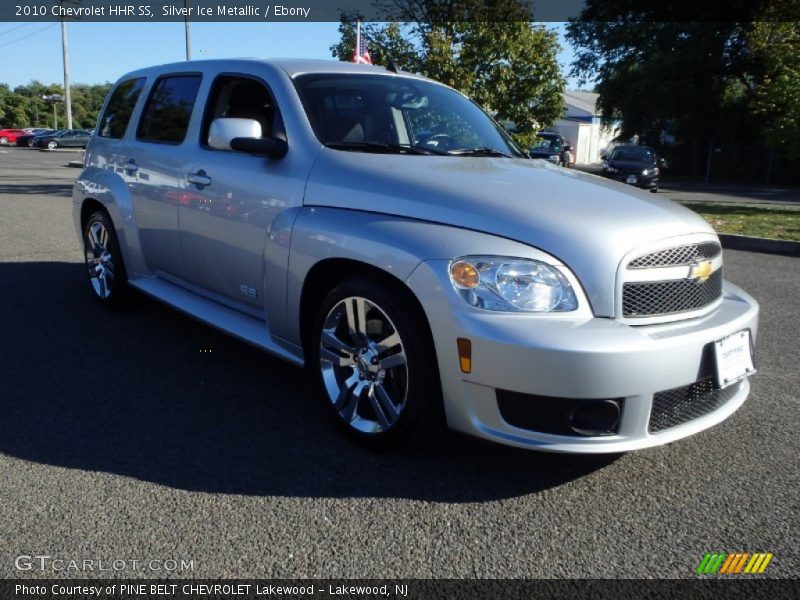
(142, 434)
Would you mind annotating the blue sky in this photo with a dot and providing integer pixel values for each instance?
(102, 52)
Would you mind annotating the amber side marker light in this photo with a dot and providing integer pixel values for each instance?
(465, 354)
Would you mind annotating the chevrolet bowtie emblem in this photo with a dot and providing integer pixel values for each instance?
(701, 271)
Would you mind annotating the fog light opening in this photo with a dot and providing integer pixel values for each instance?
(596, 418)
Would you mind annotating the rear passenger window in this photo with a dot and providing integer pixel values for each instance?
(168, 109)
(120, 107)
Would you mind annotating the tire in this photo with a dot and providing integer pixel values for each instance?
(105, 268)
(374, 365)
(3, 141)
(653, 190)
(52, 145)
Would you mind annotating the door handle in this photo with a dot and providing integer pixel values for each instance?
(130, 166)
(200, 179)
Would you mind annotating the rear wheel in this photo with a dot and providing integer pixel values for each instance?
(374, 364)
(3, 140)
(104, 260)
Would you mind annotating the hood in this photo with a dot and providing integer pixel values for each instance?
(587, 222)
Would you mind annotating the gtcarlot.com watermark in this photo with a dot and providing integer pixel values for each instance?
(53, 564)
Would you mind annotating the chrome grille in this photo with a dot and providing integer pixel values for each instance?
(654, 298)
(679, 405)
(677, 256)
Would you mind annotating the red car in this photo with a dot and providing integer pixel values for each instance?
(9, 136)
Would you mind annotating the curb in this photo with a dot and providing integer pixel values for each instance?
(756, 244)
(78, 164)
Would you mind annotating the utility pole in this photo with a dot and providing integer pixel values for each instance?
(188, 32)
(65, 52)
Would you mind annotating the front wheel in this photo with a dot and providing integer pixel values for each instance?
(104, 260)
(52, 145)
(374, 364)
(3, 141)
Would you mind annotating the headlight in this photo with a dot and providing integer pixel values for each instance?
(512, 284)
(648, 172)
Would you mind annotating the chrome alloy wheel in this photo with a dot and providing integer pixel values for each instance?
(98, 259)
(363, 364)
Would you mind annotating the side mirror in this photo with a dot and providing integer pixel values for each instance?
(604, 157)
(224, 130)
(568, 148)
(244, 135)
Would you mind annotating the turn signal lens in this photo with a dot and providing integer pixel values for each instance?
(464, 275)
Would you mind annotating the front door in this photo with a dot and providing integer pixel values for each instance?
(227, 212)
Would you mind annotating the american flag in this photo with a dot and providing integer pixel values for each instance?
(361, 55)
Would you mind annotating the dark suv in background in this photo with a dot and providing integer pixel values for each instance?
(553, 147)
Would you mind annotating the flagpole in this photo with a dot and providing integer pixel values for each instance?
(358, 41)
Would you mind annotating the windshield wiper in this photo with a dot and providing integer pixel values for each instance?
(380, 147)
(481, 151)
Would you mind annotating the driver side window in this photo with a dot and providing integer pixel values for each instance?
(243, 98)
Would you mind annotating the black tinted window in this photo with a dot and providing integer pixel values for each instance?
(120, 106)
(167, 112)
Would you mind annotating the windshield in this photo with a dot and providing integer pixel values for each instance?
(380, 113)
(547, 144)
(633, 154)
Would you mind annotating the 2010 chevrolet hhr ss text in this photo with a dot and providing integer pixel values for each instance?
(382, 230)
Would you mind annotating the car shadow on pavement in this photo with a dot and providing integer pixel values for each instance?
(149, 393)
(37, 189)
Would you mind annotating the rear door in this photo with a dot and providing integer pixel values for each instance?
(155, 168)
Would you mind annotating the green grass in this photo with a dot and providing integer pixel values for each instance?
(758, 220)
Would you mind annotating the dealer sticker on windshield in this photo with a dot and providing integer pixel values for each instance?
(734, 358)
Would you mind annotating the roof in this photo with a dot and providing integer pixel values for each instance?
(585, 101)
(292, 66)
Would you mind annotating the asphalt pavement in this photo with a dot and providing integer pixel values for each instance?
(141, 434)
(692, 190)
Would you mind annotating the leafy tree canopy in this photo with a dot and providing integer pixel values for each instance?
(24, 107)
(658, 70)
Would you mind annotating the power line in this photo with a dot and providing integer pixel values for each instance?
(15, 28)
(24, 37)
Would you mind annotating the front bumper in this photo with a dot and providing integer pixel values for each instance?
(557, 357)
(647, 182)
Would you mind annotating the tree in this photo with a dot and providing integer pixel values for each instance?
(24, 106)
(488, 50)
(775, 97)
(658, 69)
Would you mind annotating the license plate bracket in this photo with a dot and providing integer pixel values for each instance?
(734, 358)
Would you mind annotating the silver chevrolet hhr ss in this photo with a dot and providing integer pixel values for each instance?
(381, 229)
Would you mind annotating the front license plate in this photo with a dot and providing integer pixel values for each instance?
(734, 356)
(631, 179)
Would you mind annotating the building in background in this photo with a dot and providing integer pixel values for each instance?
(582, 128)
